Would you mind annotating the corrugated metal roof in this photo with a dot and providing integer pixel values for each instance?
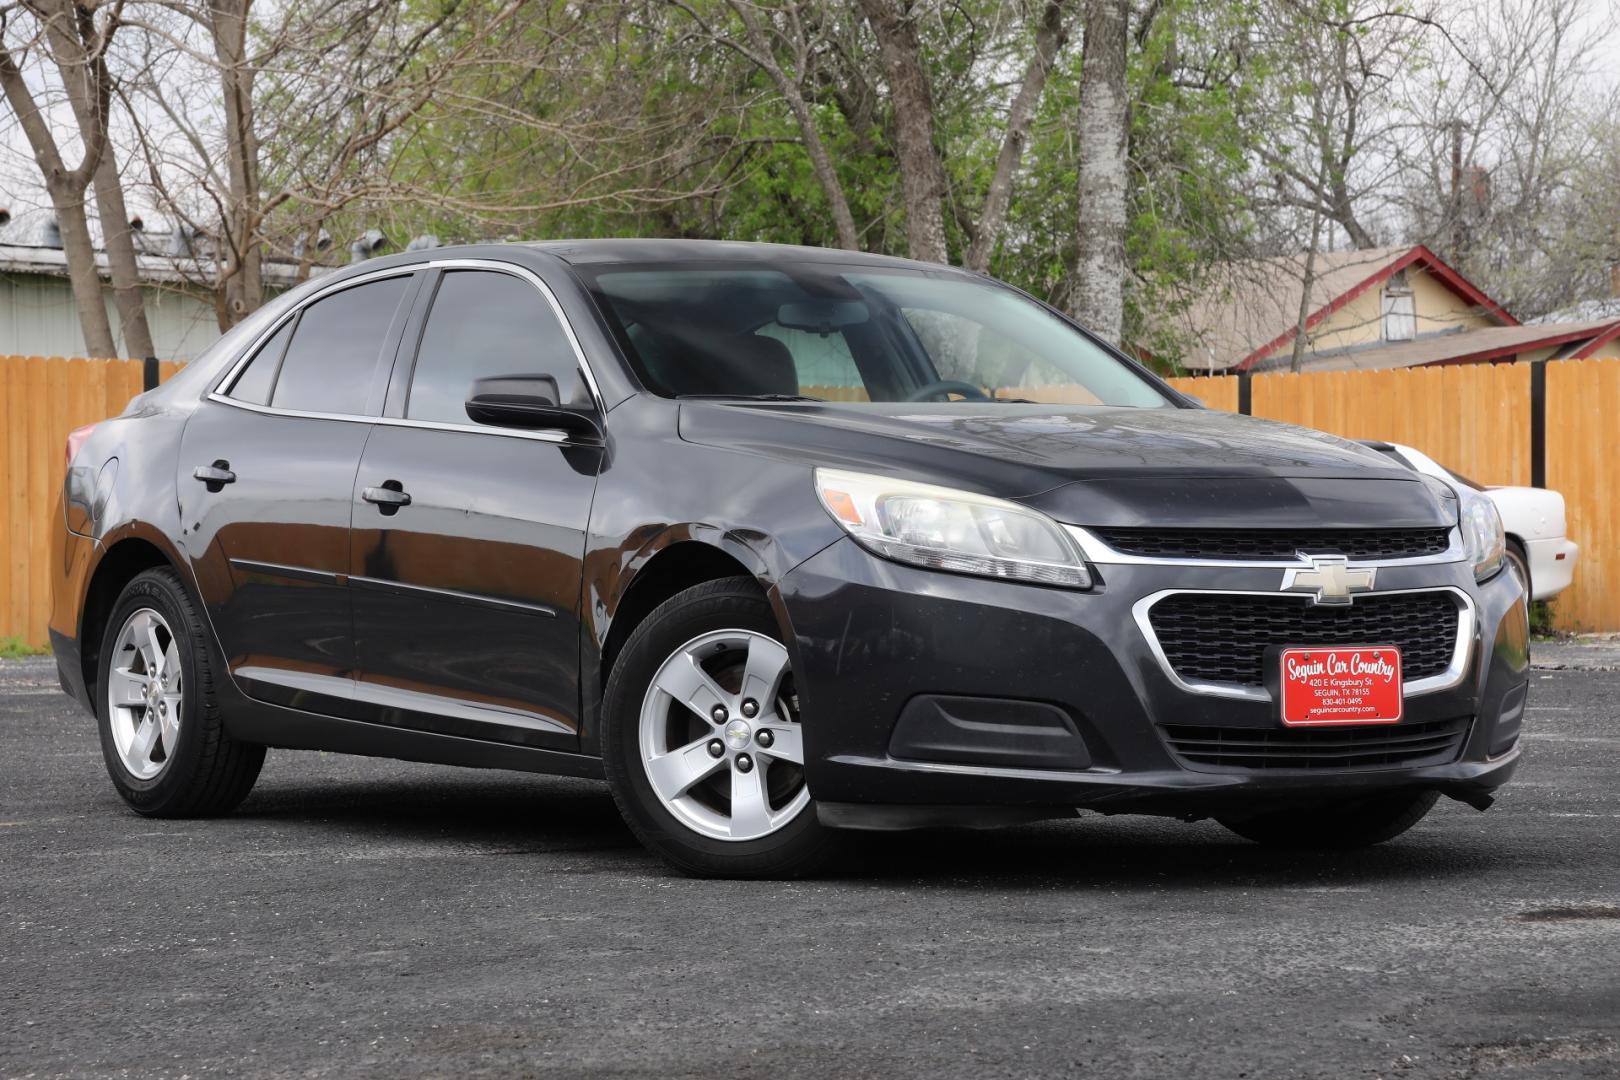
(1469, 345)
(154, 269)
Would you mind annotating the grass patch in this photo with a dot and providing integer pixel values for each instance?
(1541, 622)
(15, 648)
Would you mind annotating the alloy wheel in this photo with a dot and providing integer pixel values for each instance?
(144, 694)
(720, 737)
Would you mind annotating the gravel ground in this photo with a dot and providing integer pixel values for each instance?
(1590, 652)
(381, 919)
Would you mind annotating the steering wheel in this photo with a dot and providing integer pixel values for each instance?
(941, 387)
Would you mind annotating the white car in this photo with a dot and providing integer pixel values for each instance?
(1533, 519)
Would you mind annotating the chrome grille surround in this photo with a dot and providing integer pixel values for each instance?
(1453, 673)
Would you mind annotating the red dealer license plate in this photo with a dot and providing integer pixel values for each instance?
(1341, 686)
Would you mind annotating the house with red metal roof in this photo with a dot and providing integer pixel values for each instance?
(1364, 310)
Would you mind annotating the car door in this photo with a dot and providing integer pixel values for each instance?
(267, 466)
(468, 540)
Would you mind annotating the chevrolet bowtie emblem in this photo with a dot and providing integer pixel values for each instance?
(1329, 578)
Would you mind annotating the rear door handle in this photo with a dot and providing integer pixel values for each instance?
(215, 476)
(389, 497)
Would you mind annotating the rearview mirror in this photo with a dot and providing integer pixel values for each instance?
(529, 402)
(822, 316)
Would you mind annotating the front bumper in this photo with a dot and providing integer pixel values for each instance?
(1552, 565)
(870, 637)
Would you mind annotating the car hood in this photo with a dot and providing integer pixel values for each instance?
(1094, 465)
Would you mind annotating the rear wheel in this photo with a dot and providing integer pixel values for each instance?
(162, 735)
(1360, 823)
(703, 742)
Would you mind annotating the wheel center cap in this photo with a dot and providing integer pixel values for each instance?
(737, 734)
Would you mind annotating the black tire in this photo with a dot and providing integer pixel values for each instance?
(800, 847)
(209, 773)
(1355, 824)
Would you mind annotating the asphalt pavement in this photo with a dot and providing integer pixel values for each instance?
(381, 919)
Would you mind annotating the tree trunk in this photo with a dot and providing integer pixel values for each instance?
(1049, 39)
(1098, 299)
(821, 164)
(1344, 213)
(89, 98)
(240, 250)
(1296, 361)
(122, 265)
(82, 274)
(922, 179)
(66, 186)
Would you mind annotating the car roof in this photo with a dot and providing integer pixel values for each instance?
(600, 252)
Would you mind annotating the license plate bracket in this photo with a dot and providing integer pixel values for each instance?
(1325, 686)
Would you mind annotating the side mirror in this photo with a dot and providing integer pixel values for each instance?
(529, 402)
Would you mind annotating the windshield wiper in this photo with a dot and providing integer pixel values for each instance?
(748, 397)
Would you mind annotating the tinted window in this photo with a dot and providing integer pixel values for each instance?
(485, 324)
(880, 334)
(333, 355)
(822, 362)
(260, 374)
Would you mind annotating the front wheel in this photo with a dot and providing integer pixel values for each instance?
(703, 743)
(1360, 823)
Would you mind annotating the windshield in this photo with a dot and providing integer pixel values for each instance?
(840, 333)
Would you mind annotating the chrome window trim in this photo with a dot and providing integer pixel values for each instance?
(395, 421)
(1100, 553)
(251, 350)
(1454, 673)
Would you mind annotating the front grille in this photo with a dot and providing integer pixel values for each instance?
(1276, 543)
(1404, 745)
(1223, 637)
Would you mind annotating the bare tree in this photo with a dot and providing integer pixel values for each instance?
(78, 45)
(345, 78)
(1498, 171)
(1098, 297)
(243, 271)
(1331, 137)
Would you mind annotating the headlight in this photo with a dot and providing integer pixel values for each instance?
(945, 529)
(1483, 539)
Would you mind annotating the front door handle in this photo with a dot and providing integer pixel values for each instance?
(389, 497)
(215, 476)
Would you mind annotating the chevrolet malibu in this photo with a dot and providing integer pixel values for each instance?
(779, 543)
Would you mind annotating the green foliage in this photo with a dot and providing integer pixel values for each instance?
(15, 648)
(643, 118)
(590, 118)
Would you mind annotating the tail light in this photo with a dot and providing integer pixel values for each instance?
(76, 439)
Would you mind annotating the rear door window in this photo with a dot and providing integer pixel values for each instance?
(259, 377)
(332, 359)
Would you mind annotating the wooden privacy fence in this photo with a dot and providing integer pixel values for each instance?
(41, 400)
(1497, 424)
(1472, 418)
(1556, 424)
